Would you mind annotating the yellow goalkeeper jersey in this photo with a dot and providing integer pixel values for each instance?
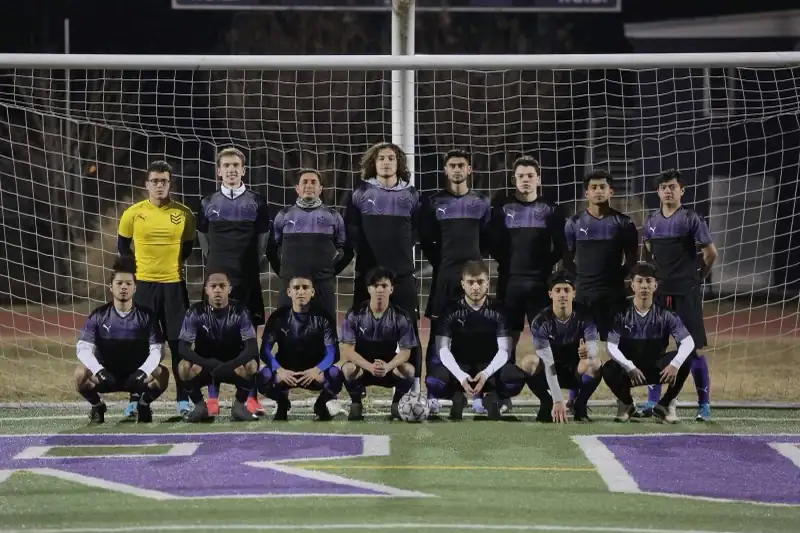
(157, 234)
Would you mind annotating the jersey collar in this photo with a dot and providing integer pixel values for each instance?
(233, 194)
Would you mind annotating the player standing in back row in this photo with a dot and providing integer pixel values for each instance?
(453, 230)
(162, 233)
(381, 225)
(671, 235)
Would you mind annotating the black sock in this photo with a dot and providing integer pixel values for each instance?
(242, 394)
(181, 392)
(91, 396)
(150, 396)
(135, 396)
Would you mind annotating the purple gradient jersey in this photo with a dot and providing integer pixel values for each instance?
(473, 332)
(122, 342)
(674, 242)
(600, 245)
(217, 333)
(301, 337)
(562, 336)
(527, 237)
(378, 338)
(232, 226)
(454, 229)
(381, 225)
(645, 338)
(310, 241)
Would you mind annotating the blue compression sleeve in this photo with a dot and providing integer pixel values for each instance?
(267, 357)
(330, 355)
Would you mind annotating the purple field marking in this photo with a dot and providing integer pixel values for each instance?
(216, 464)
(745, 468)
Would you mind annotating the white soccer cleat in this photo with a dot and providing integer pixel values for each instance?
(477, 406)
(335, 407)
(433, 406)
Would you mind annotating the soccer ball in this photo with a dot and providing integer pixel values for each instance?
(413, 407)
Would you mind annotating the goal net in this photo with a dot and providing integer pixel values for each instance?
(74, 146)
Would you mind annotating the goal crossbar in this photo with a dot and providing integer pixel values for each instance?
(400, 62)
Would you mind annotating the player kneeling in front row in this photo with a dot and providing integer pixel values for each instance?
(120, 348)
(565, 341)
(306, 340)
(473, 345)
(225, 350)
(637, 345)
(376, 343)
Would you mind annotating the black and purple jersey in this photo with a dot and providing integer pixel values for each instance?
(122, 342)
(527, 237)
(381, 225)
(310, 241)
(217, 333)
(232, 227)
(646, 337)
(454, 229)
(674, 242)
(601, 246)
(562, 336)
(378, 337)
(473, 333)
(304, 340)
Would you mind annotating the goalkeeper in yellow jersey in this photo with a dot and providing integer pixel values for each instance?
(162, 234)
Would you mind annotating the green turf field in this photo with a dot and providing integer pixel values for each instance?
(510, 475)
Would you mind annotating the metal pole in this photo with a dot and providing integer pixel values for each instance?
(409, 94)
(397, 78)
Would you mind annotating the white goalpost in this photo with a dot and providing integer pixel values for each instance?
(78, 132)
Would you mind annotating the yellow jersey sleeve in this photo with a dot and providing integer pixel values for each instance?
(126, 222)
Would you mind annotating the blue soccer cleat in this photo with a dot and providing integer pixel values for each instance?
(131, 410)
(703, 413)
(184, 407)
(477, 406)
(645, 410)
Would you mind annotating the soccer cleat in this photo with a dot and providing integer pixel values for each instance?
(356, 413)
(433, 406)
(321, 410)
(394, 412)
(144, 414)
(492, 404)
(581, 412)
(198, 414)
(184, 407)
(624, 412)
(505, 406)
(665, 415)
(457, 407)
(212, 405)
(282, 410)
(130, 410)
(239, 412)
(255, 407)
(644, 410)
(98, 414)
(570, 408)
(477, 406)
(334, 407)
(703, 413)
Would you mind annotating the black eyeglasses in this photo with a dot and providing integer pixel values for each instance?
(158, 181)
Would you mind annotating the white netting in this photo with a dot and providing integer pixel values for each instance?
(70, 164)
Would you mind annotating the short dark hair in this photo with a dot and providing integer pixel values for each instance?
(309, 277)
(560, 277)
(124, 264)
(457, 152)
(644, 270)
(213, 272)
(475, 268)
(526, 161)
(669, 175)
(307, 171)
(598, 175)
(159, 166)
(380, 273)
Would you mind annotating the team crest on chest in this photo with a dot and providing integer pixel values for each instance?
(176, 218)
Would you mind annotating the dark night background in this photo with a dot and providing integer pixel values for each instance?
(65, 181)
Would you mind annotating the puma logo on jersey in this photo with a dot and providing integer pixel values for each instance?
(584, 230)
(206, 328)
(460, 321)
(108, 328)
(628, 328)
(363, 330)
(214, 211)
(285, 331)
(292, 222)
(510, 215)
(652, 229)
(370, 200)
(442, 209)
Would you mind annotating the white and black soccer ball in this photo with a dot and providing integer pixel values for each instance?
(413, 407)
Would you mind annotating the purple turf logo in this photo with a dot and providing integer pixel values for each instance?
(751, 468)
(201, 465)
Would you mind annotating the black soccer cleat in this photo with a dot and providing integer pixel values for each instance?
(144, 414)
(98, 414)
(457, 407)
(321, 410)
(394, 412)
(282, 411)
(198, 414)
(581, 413)
(240, 412)
(356, 413)
(491, 402)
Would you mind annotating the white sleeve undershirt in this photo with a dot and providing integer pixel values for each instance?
(685, 348)
(153, 359)
(86, 356)
(449, 362)
(619, 357)
(500, 358)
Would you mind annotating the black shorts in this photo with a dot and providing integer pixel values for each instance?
(404, 295)
(120, 377)
(169, 301)
(689, 308)
(324, 296)
(566, 371)
(602, 308)
(445, 288)
(249, 293)
(521, 298)
(651, 368)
